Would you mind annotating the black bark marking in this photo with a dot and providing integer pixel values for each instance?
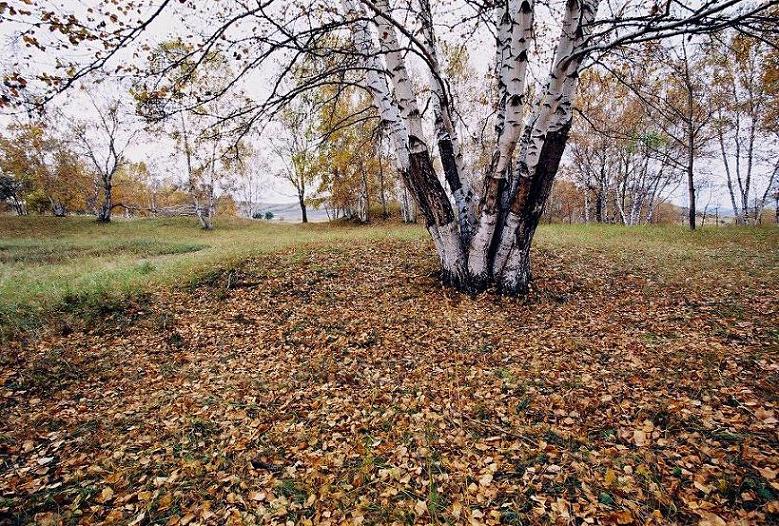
(427, 190)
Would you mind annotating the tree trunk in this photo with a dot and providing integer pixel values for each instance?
(303, 211)
(104, 213)
(205, 220)
(204, 216)
(515, 275)
(18, 205)
(407, 210)
(599, 198)
(382, 190)
(365, 202)
(57, 208)
(448, 142)
(495, 249)
(691, 194)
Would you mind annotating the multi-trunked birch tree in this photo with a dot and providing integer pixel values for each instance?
(489, 243)
(483, 234)
(482, 224)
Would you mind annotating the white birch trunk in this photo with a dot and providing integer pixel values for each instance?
(377, 85)
(409, 138)
(448, 142)
(512, 74)
(553, 116)
(407, 210)
(404, 90)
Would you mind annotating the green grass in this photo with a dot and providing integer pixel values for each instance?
(674, 252)
(77, 266)
(48, 251)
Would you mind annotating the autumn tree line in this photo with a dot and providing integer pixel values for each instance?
(700, 116)
(59, 165)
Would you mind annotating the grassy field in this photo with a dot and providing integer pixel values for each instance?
(74, 265)
(278, 374)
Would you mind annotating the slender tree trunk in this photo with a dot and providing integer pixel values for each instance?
(303, 210)
(420, 176)
(203, 214)
(57, 208)
(367, 196)
(776, 207)
(382, 190)
(448, 142)
(18, 205)
(691, 193)
(205, 219)
(691, 135)
(104, 213)
(599, 199)
(729, 178)
(407, 210)
(586, 205)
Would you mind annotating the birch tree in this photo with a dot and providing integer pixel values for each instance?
(747, 142)
(37, 156)
(103, 141)
(295, 149)
(11, 191)
(619, 154)
(170, 103)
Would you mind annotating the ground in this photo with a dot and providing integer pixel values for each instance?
(334, 381)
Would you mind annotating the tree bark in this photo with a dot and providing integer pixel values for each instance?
(57, 208)
(420, 176)
(515, 275)
(691, 194)
(448, 142)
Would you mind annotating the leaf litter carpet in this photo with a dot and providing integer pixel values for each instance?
(342, 385)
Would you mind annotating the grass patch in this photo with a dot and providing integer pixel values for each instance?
(79, 268)
(48, 252)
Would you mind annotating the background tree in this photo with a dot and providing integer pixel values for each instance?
(747, 141)
(12, 191)
(351, 166)
(42, 162)
(295, 149)
(251, 181)
(103, 141)
(618, 153)
(672, 86)
(203, 139)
